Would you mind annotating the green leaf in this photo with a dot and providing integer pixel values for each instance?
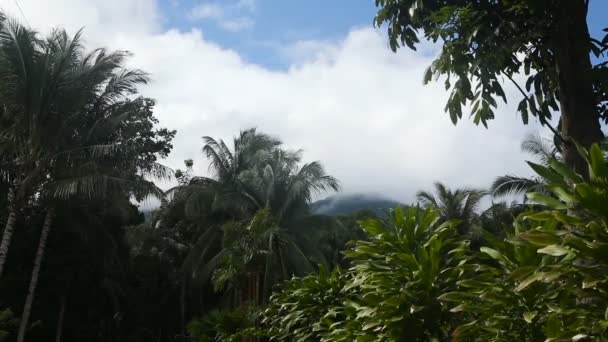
(540, 238)
(531, 279)
(564, 170)
(546, 200)
(597, 166)
(529, 316)
(554, 250)
(428, 75)
(494, 254)
(456, 296)
(546, 173)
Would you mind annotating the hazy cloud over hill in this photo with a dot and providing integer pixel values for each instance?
(351, 103)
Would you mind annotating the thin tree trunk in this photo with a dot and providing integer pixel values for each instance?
(29, 300)
(8, 229)
(579, 116)
(182, 303)
(60, 318)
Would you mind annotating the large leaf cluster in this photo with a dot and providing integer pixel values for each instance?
(548, 281)
(390, 293)
(485, 42)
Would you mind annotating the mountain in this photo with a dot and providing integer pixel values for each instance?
(348, 204)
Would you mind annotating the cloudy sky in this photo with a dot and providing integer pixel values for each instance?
(314, 73)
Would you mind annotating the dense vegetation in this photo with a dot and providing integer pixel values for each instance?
(246, 255)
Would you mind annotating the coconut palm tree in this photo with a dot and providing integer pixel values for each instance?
(255, 183)
(459, 204)
(47, 88)
(64, 110)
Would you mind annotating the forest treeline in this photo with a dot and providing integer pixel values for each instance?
(240, 255)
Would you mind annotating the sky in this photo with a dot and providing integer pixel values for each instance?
(314, 73)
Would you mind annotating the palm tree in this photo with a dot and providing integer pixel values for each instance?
(71, 100)
(47, 87)
(511, 185)
(279, 183)
(459, 204)
(257, 184)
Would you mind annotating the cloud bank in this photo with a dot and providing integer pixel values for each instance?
(352, 104)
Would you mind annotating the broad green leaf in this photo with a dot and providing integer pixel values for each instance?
(456, 296)
(529, 316)
(564, 170)
(546, 173)
(531, 279)
(554, 250)
(496, 255)
(598, 163)
(540, 238)
(546, 200)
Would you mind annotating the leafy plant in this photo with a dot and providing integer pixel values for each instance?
(8, 322)
(388, 294)
(548, 280)
(218, 325)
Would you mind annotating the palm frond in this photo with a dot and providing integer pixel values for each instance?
(538, 147)
(426, 198)
(514, 185)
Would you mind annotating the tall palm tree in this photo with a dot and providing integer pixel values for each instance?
(63, 106)
(46, 89)
(260, 185)
(221, 192)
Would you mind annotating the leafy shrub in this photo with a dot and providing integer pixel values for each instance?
(388, 294)
(550, 281)
(8, 322)
(219, 325)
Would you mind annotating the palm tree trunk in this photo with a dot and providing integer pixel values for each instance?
(182, 303)
(8, 229)
(60, 318)
(29, 300)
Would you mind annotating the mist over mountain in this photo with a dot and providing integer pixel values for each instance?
(348, 204)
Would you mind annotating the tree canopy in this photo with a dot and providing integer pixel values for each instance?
(486, 43)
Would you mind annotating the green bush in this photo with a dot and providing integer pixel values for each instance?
(549, 281)
(388, 294)
(544, 279)
(219, 326)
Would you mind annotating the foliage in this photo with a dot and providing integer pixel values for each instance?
(305, 307)
(548, 281)
(484, 41)
(459, 204)
(219, 325)
(388, 294)
(7, 323)
(510, 185)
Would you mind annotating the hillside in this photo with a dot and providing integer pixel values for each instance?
(347, 204)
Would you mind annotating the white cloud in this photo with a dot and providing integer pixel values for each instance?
(237, 24)
(352, 104)
(230, 15)
(248, 5)
(205, 11)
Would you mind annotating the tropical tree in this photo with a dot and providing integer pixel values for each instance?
(485, 41)
(281, 191)
(50, 89)
(64, 108)
(459, 204)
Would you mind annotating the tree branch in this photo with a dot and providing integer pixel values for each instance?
(543, 122)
